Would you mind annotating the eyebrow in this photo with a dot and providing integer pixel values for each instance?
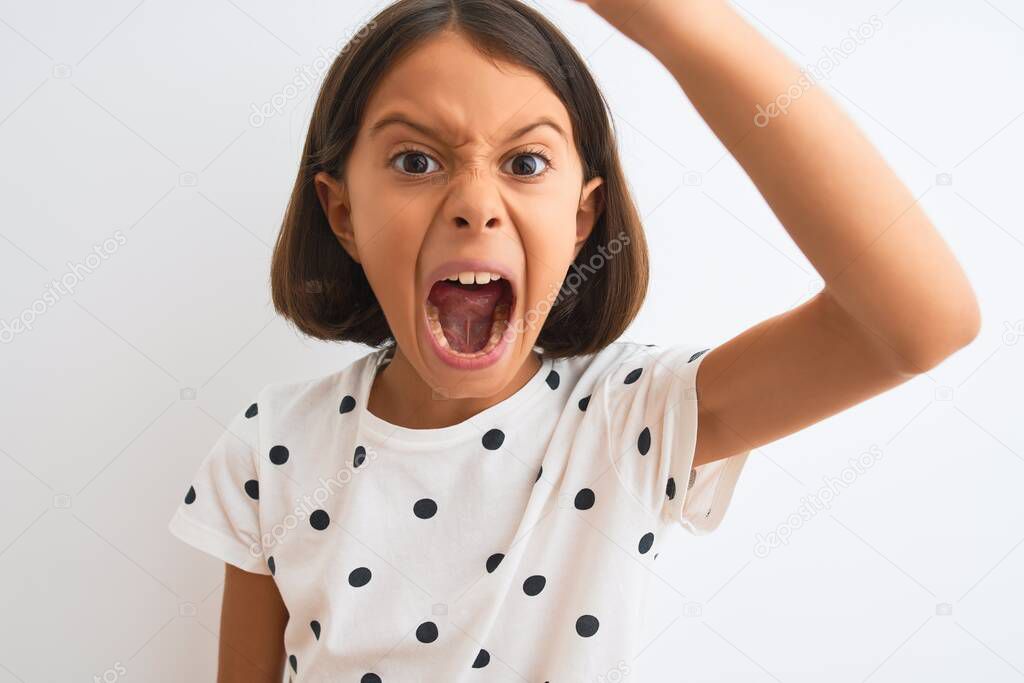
(401, 119)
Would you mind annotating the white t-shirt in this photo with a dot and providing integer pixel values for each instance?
(513, 546)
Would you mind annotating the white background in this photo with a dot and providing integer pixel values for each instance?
(136, 118)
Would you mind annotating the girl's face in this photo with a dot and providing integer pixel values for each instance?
(461, 166)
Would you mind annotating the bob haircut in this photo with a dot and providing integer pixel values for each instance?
(315, 283)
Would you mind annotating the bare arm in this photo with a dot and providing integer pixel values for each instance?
(895, 301)
(252, 622)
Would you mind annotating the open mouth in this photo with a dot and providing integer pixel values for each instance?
(468, 316)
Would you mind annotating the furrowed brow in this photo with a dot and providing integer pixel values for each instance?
(400, 119)
(536, 124)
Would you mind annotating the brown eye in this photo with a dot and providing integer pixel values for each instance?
(413, 163)
(528, 165)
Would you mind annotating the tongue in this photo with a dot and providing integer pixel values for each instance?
(465, 312)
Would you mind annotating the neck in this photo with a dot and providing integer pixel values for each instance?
(400, 396)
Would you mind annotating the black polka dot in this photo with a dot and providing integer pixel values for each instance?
(587, 625)
(294, 662)
(319, 520)
(424, 508)
(370, 678)
(252, 487)
(360, 456)
(584, 402)
(426, 632)
(539, 472)
(493, 561)
(552, 379)
(655, 555)
(633, 376)
(670, 488)
(315, 626)
(279, 455)
(646, 541)
(359, 577)
(271, 565)
(347, 404)
(534, 584)
(643, 442)
(693, 478)
(482, 659)
(697, 355)
(252, 410)
(584, 499)
(493, 439)
(190, 496)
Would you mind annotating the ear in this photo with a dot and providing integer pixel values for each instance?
(591, 206)
(333, 196)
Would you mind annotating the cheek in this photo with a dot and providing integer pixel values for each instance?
(389, 240)
(548, 245)
(383, 234)
(546, 219)
(386, 222)
(382, 218)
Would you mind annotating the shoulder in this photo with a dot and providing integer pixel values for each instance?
(627, 374)
(333, 392)
(629, 361)
(609, 358)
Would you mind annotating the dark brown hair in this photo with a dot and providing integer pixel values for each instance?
(316, 284)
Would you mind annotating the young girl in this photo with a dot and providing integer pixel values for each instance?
(482, 496)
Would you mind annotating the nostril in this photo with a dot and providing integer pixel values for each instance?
(462, 222)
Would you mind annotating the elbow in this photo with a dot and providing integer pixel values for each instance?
(942, 340)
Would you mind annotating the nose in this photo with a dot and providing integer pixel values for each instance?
(474, 201)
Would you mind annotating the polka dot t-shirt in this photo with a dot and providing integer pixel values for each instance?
(513, 546)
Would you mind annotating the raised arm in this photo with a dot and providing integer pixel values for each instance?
(895, 301)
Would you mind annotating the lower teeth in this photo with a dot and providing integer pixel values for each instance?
(498, 327)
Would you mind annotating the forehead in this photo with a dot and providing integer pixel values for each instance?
(447, 84)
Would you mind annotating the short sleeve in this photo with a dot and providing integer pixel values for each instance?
(658, 420)
(220, 510)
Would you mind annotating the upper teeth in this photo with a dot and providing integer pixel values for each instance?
(468, 277)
